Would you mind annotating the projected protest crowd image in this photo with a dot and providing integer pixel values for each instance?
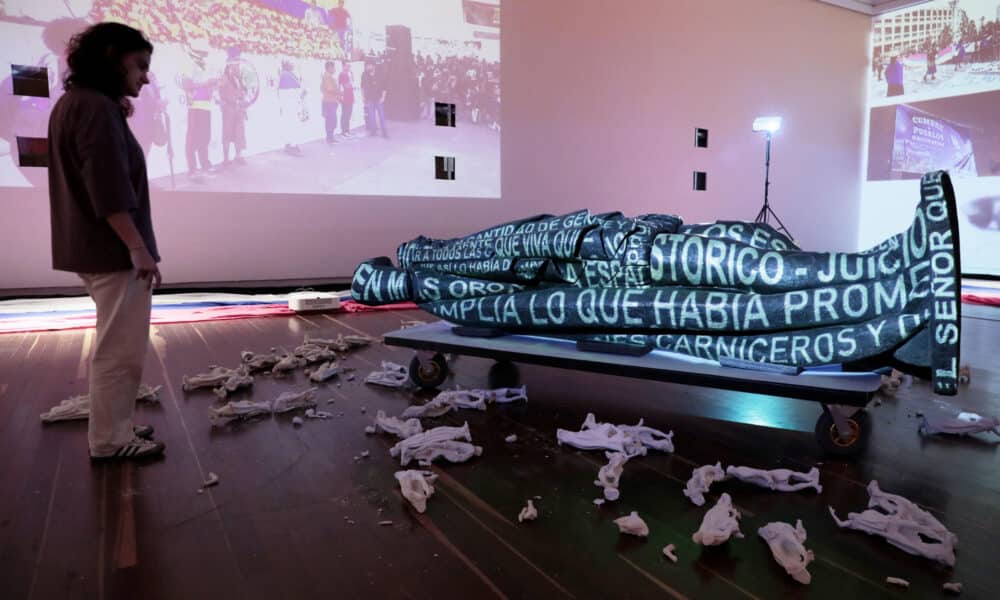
(296, 96)
(729, 289)
(938, 47)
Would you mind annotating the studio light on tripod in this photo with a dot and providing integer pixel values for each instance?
(768, 125)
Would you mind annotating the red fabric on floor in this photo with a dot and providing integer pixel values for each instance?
(178, 315)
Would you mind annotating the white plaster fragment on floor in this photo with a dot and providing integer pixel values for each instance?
(668, 551)
(958, 423)
(416, 486)
(609, 475)
(904, 525)
(786, 543)
(898, 581)
(953, 587)
(510, 439)
(528, 513)
(292, 400)
(632, 440)
(237, 410)
(632, 524)
(396, 426)
(782, 480)
(701, 480)
(720, 522)
(325, 371)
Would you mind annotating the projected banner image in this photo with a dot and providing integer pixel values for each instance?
(283, 96)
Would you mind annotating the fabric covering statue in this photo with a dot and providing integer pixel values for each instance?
(727, 289)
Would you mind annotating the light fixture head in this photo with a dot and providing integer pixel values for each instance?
(768, 124)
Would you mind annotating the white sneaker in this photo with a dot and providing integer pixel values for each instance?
(137, 448)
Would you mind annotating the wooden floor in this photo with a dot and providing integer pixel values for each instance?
(296, 516)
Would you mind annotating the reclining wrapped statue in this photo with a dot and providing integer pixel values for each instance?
(727, 289)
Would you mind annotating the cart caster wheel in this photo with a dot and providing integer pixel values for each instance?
(854, 444)
(429, 374)
(504, 374)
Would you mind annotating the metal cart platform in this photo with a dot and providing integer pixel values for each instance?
(843, 427)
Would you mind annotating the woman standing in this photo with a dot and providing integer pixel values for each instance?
(102, 228)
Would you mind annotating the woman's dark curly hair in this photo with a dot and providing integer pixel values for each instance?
(94, 57)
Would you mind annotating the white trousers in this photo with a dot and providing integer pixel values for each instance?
(123, 310)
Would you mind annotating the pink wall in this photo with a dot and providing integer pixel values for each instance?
(600, 104)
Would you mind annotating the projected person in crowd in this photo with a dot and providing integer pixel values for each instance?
(339, 19)
(374, 90)
(232, 100)
(931, 64)
(290, 97)
(960, 57)
(878, 66)
(894, 77)
(199, 87)
(346, 81)
(330, 88)
(102, 224)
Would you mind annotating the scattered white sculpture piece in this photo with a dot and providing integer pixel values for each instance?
(365, 453)
(237, 410)
(528, 513)
(148, 393)
(720, 522)
(446, 402)
(417, 487)
(70, 409)
(890, 384)
(288, 362)
(292, 400)
(633, 440)
(782, 480)
(258, 362)
(407, 323)
(78, 407)
(396, 426)
(312, 413)
(904, 525)
(314, 353)
(609, 474)
(599, 501)
(325, 371)
(211, 480)
(960, 423)
(632, 524)
(338, 343)
(451, 450)
(649, 437)
(668, 551)
(215, 377)
(964, 374)
(701, 479)
(357, 341)
(506, 395)
(237, 380)
(897, 581)
(953, 587)
(384, 523)
(297, 421)
(391, 375)
(370, 429)
(510, 439)
(786, 543)
(407, 448)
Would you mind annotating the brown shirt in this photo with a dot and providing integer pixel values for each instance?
(96, 169)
